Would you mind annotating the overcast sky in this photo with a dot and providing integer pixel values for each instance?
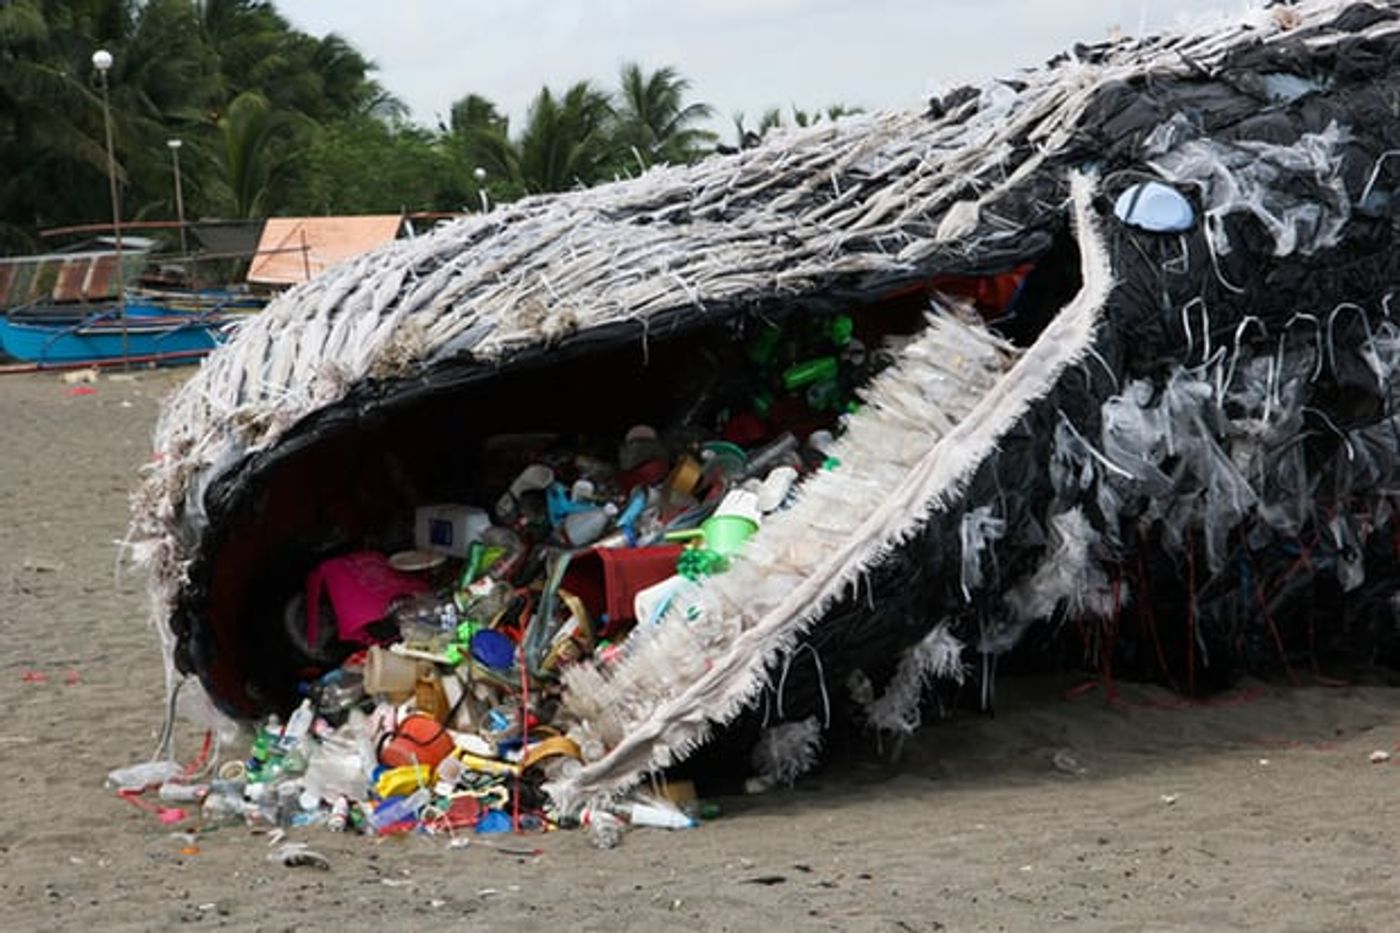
(740, 55)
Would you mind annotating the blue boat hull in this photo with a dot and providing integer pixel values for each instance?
(149, 339)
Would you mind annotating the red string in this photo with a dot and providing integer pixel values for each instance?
(1149, 618)
(196, 766)
(170, 815)
(1106, 661)
(524, 736)
(1304, 560)
(1273, 631)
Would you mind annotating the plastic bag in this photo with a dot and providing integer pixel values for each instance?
(1296, 192)
(978, 532)
(143, 775)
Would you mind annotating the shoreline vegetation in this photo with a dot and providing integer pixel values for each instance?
(274, 121)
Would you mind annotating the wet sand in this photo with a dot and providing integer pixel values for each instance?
(1263, 813)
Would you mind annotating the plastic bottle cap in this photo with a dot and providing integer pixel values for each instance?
(493, 649)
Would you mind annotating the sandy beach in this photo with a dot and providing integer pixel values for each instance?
(1262, 811)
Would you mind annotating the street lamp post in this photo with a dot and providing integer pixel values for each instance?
(174, 145)
(479, 174)
(102, 61)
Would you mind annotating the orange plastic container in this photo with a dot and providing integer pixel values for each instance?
(419, 740)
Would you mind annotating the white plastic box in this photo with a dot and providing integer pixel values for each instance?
(448, 529)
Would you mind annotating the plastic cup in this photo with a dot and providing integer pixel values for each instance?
(775, 488)
(726, 534)
(534, 477)
(741, 503)
(390, 674)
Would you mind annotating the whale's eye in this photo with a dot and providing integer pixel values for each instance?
(1156, 208)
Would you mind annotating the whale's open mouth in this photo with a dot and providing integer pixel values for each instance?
(943, 383)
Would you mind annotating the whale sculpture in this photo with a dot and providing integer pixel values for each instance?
(1181, 444)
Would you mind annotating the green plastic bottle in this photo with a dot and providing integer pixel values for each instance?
(821, 369)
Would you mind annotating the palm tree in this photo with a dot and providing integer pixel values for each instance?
(180, 70)
(163, 83)
(475, 112)
(654, 121)
(565, 142)
(252, 153)
(53, 159)
(746, 137)
(245, 36)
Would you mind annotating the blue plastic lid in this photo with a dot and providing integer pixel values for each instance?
(493, 821)
(493, 649)
(1156, 208)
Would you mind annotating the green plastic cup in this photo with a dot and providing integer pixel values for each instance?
(726, 534)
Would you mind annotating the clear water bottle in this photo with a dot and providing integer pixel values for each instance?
(604, 829)
(340, 815)
(436, 611)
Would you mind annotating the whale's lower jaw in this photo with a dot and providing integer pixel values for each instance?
(928, 423)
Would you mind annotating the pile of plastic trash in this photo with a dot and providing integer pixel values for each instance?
(431, 673)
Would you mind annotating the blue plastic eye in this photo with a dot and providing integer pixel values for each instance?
(1156, 208)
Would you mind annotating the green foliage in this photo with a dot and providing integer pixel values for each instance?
(746, 136)
(654, 121)
(565, 143)
(583, 136)
(362, 165)
(255, 150)
(230, 78)
(275, 121)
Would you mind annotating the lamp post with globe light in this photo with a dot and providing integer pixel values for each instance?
(479, 174)
(174, 146)
(102, 61)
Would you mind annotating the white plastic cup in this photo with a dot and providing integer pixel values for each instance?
(742, 503)
(534, 477)
(390, 674)
(583, 528)
(449, 772)
(775, 488)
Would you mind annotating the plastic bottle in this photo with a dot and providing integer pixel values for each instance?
(183, 793)
(399, 809)
(340, 814)
(805, 373)
(223, 808)
(604, 828)
(430, 611)
(145, 774)
(298, 725)
(335, 693)
(775, 452)
(264, 764)
(661, 817)
(583, 528)
(286, 797)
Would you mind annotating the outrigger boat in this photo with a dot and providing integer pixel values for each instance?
(145, 335)
(91, 305)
